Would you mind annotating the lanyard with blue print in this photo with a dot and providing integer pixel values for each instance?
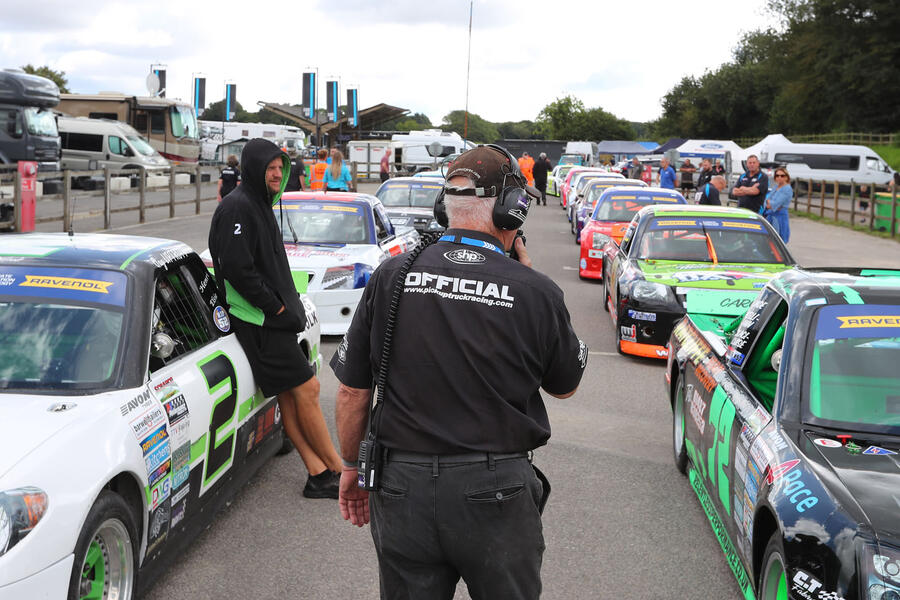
(461, 239)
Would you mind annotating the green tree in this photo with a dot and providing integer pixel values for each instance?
(216, 112)
(57, 77)
(518, 130)
(407, 123)
(477, 129)
(568, 119)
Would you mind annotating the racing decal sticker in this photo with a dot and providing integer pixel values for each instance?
(775, 438)
(740, 463)
(458, 288)
(842, 321)
(162, 471)
(718, 302)
(74, 283)
(141, 401)
(158, 526)
(773, 473)
(181, 494)
(176, 409)
(641, 316)
(181, 468)
(165, 389)
(157, 452)
(629, 333)
(220, 317)
(876, 451)
(892, 321)
(698, 410)
(751, 483)
(262, 428)
(464, 256)
(148, 421)
(827, 443)
(761, 453)
(159, 493)
(793, 486)
(178, 511)
(306, 252)
(806, 586)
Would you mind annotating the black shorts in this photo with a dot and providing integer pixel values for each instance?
(276, 359)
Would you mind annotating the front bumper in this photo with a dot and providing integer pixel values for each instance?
(645, 331)
(335, 309)
(48, 584)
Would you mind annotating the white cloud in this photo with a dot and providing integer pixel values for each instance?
(525, 53)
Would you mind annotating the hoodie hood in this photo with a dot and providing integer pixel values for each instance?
(256, 156)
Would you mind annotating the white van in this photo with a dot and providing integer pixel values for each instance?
(411, 149)
(824, 162)
(95, 143)
(589, 150)
(367, 155)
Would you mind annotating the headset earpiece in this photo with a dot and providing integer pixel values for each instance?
(440, 210)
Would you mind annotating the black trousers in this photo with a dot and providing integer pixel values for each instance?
(542, 188)
(434, 521)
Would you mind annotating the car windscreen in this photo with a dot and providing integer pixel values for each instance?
(141, 145)
(701, 239)
(60, 329)
(325, 223)
(570, 160)
(563, 171)
(851, 381)
(40, 121)
(421, 195)
(623, 207)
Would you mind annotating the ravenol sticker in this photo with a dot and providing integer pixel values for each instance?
(153, 439)
(891, 321)
(67, 283)
(839, 321)
(676, 223)
(743, 225)
(221, 319)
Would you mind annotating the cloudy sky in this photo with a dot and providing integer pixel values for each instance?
(621, 56)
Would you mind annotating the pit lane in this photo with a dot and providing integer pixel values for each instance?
(621, 521)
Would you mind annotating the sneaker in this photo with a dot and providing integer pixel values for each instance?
(324, 485)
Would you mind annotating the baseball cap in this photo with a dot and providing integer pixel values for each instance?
(488, 167)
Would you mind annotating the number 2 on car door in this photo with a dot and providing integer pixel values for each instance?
(721, 417)
(221, 379)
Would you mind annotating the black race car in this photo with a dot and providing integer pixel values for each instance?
(789, 430)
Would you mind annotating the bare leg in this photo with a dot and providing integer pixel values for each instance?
(311, 422)
(313, 463)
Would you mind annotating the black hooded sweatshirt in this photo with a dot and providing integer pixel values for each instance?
(247, 248)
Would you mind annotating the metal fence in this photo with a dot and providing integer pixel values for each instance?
(112, 185)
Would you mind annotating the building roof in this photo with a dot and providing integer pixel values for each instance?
(369, 118)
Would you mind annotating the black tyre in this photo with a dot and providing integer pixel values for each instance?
(106, 553)
(773, 583)
(605, 289)
(286, 444)
(678, 446)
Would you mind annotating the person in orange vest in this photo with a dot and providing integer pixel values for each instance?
(317, 171)
(526, 165)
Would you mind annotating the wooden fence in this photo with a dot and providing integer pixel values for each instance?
(857, 139)
(866, 205)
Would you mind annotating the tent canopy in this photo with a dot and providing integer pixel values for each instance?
(620, 147)
(709, 149)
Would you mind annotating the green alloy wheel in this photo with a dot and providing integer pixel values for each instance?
(773, 582)
(105, 567)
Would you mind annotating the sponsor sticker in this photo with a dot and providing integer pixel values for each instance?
(595, 253)
(148, 422)
(761, 453)
(698, 411)
(180, 433)
(157, 455)
(161, 471)
(220, 316)
(827, 443)
(582, 354)
(876, 451)
(176, 409)
(160, 491)
(165, 389)
(66, 283)
(641, 316)
(158, 527)
(181, 494)
(807, 586)
(629, 333)
(178, 513)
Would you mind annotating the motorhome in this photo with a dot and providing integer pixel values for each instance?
(840, 163)
(97, 143)
(411, 150)
(169, 125)
(213, 134)
(27, 123)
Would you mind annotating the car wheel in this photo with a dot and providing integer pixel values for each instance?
(605, 291)
(678, 446)
(773, 583)
(577, 236)
(105, 564)
(286, 444)
(618, 331)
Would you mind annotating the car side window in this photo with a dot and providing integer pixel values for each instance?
(383, 228)
(178, 323)
(628, 237)
(117, 145)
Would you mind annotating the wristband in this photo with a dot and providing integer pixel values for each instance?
(348, 464)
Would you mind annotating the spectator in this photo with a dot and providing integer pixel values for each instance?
(317, 171)
(894, 183)
(337, 176)
(229, 179)
(541, 167)
(385, 170)
(666, 174)
(709, 193)
(705, 174)
(636, 170)
(750, 190)
(297, 174)
(718, 169)
(687, 176)
(778, 202)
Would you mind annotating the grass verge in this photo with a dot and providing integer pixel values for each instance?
(828, 221)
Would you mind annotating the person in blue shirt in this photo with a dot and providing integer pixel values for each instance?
(337, 176)
(778, 202)
(666, 174)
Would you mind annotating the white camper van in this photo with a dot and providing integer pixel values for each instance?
(411, 149)
(97, 143)
(824, 162)
(588, 150)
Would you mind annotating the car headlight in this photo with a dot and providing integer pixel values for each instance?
(347, 277)
(880, 572)
(598, 240)
(20, 511)
(648, 291)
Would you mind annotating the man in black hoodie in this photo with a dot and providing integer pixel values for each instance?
(252, 270)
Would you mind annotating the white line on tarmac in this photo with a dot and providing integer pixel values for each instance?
(602, 353)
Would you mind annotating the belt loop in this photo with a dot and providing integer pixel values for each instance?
(434, 466)
(491, 463)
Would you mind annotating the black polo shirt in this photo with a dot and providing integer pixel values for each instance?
(753, 203)
(477, 333)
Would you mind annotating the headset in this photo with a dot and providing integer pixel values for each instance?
(512, 200)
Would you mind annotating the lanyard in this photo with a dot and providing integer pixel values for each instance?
(461, 239)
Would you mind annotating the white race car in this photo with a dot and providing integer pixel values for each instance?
(338, 239)
(128, 414)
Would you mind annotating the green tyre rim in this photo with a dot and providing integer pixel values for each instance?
(106, 572)
(774, 581)
(678, 422)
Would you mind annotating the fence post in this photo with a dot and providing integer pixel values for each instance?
(353, 170)
(822, 201)
(17, 199)
(872, 200)
(172, 192)
(836, 192)
(197, 184)
(893, 212)
(852, 203)
(106, 197)
(809, 196)
(67, 193)
(142, 190)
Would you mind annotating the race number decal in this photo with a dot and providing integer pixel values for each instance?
(721, 417)
(221, 380)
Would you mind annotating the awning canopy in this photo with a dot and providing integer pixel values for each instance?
(369, 118)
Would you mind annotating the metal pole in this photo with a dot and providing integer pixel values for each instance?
(106, 197)
(468, 70)
(893, 211)
(197, 184)
(17, 200)
(67, 192)
(836, 188)
(142, 188)
(852, 203)
(171, 192)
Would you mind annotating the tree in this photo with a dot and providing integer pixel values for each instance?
(519, 130)
(478, 129)
(568, 119)
(216, 112)
(407, 123)
(57, 77)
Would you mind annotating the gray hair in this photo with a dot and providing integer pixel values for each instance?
(718, 178)
(469, 211)
(543, 155)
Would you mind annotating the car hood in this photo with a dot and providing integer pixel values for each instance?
(26, 422)
(727, 276)
(418, 211)
(313, 256)
(871, 480)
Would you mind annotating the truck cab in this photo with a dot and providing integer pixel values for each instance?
(27, 123)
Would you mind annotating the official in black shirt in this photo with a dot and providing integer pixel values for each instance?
(476, 335)
(540, 169)
(751, 188)
(709, 192)
(298, 172)
(229, 178)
